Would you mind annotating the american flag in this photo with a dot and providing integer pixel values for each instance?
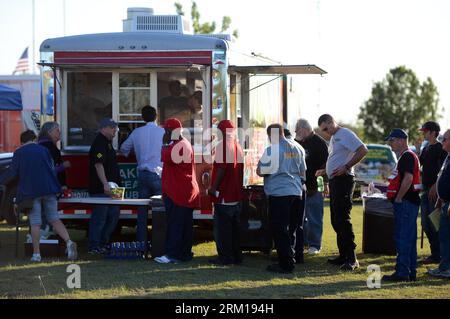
(22, 64)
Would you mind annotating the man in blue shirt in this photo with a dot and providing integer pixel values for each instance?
(443, 190)
(282, 165)
(146, 141)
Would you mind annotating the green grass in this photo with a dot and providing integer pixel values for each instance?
(197, 279)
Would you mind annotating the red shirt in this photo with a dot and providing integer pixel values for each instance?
(229, 156)
(179, 181)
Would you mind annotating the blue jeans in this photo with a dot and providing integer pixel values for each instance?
(405, 217)
(180, 231)
(103, 221)
(444, 236)
(426, 208)
(227, 232)
(149, 184)
(313, 226)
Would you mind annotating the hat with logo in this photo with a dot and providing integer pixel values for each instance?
(397, 133)
(430, 126)
(107, 122)
(172, 124)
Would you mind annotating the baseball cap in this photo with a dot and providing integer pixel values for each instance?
(397, 133)
(172, 123)
(107, 122)
(224, 124)
(430, 126)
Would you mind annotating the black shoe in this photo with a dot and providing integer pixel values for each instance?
(299, 260)
(351, 262)
(277, 268)
(350, 265)
(395, 278)
(412, 278)
(218, 262)
(238, 261)
(429, 260)
(338, 261)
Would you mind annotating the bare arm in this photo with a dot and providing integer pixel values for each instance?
(406, 184)
(219, 177)
(357, 157)
(102, 176)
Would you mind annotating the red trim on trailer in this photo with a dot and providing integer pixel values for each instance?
(149, 58)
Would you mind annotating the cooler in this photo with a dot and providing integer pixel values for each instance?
(378, 226)
(255, 228)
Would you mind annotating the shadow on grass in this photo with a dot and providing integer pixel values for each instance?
(197, 279)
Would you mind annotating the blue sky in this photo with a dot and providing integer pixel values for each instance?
(357, 42)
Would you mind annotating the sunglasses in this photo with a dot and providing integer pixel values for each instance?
(325, 129)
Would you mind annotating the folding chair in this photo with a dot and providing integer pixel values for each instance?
(21, 210)
(2, 198)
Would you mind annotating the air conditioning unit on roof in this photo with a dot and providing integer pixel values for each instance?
(143, 19)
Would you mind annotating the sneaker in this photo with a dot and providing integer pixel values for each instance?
(395, 278)
(313, 251)
(338, 261)
(445, 273)
(36, 258)
(165, 260)
(71, 250)
(277, 268)
(439, 273)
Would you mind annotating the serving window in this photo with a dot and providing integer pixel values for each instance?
(89, 99)
(94, 95)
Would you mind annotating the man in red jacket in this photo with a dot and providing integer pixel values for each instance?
(226, 193)
(180, 193)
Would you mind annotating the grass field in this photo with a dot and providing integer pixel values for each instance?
(197, 279)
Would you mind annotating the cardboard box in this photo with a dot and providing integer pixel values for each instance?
(48, 248)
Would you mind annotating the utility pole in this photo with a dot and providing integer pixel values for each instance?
(33, 52)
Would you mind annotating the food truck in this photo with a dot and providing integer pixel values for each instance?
(94, 76)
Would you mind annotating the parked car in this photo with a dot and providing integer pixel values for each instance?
(376, 167)
(8, 186)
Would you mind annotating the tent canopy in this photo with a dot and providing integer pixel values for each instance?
(10, 99)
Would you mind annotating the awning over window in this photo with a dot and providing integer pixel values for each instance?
(278, 69)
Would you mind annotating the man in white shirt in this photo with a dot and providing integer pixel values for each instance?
(146, 141)
(345, 150)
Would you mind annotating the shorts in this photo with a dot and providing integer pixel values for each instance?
(49, 204)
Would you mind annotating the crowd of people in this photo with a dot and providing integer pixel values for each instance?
(290, 166)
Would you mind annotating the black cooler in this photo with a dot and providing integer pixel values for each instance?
(255, 228)
(378, 226)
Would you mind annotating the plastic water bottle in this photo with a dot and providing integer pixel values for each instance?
(122, 251)
(320, 185)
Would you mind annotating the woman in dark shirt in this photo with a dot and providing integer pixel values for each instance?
(48, 137)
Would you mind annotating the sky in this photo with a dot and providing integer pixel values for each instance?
(356, 42)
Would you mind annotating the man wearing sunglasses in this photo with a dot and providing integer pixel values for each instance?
(345, 150)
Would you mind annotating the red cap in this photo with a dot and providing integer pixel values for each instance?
(224, 124)
(172, 123)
